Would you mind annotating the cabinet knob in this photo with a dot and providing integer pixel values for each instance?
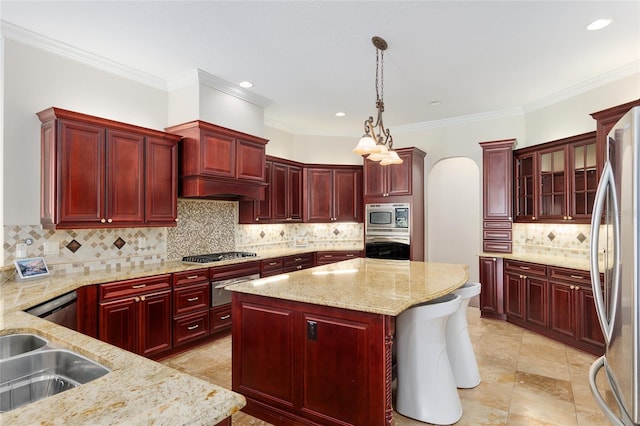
(510, 218)
(103, 220)
(176, 219)
(564, 217)
(109, 220)
(257, 219)
(533, 218)
(137, 299)
(569, 217)
(494, 259)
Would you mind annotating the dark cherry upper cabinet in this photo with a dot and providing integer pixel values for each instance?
(497, 195)
(556, 182)
(332, 193)
(605, 120)
(217, 162)
(403, 179)
(283, 195)
(100, 173)
(161, 197)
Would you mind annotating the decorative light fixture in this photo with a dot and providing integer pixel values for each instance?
(377, 143)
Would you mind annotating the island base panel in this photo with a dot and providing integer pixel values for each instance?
(333, 366)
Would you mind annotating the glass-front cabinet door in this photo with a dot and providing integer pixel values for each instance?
(553, 187)
(524, 187)
(584, 179)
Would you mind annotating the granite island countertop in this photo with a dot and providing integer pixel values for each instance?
(379, 286)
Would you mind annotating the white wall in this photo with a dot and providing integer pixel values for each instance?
(35, 80)
(183, 104)
(571, 116)
(230, 112)
(454, 208)
(280, 143)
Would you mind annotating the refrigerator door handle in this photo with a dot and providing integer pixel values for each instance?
(605, 186)
(593, 372)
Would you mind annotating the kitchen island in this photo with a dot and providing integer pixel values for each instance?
(315, 346)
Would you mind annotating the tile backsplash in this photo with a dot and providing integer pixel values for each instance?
(551, 239)
(204, 226)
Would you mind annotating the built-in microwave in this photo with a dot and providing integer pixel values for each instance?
(387, 219)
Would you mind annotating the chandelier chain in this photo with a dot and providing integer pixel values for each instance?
(379, 74)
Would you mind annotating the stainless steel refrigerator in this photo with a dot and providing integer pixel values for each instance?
(615, 240)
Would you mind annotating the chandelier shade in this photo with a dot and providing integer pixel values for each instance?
(377, 143)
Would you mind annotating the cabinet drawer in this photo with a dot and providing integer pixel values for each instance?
(525, 268)
(190, 327)
(218, 273)
(297, 262)
(191, 277)
(496, 246)
(573, 275)
(325, 257)
(191, 298)
(497, 225)
(133, 287)
(220, 318)
(497, 234)
(271, 266)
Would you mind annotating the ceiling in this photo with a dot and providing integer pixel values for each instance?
(311, 59)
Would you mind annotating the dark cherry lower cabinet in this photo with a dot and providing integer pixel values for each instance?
(298, 363)
(491, 294)
(135, 315)
(556, 302)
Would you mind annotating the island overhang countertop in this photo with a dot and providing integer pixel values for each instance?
(379, 286)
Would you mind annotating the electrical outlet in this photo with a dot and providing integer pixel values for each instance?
(142, 242)
(21, 251)
(51, 248)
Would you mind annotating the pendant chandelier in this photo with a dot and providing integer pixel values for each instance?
(377, 143)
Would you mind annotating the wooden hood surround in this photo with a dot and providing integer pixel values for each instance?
(219, 163)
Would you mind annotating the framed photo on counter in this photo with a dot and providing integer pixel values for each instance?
(31, 268)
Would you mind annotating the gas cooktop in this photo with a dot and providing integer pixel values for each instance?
(216, 257)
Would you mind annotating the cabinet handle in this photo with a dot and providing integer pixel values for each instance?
(525, 268)
(273, 263)
(225, 317)
(298, 259)
(578, 277)
(191, 277)
(109, 220)
(328, 256)
(103, 220)
(193, 299)
(193, 327)
(139, 286)
(349, 255)
(299, 267)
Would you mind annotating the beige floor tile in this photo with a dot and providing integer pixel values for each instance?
(527, 379)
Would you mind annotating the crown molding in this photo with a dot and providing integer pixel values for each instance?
(13, 32)
(231, 89)
(586, 86)
(426, 125)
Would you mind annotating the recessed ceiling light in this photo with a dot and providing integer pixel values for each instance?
(435, 103)
(340, 114)
(598, 24)
(245, 84)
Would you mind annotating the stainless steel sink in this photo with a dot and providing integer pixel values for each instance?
(16, 344)
(38, 373)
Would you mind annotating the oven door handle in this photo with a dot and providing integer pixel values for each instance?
(231, 281)
(382, 239)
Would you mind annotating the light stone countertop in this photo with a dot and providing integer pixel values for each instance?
(137, 390)
(580, 263)
(378, 286)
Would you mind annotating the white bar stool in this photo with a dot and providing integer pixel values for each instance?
(426, 385)
(459, 347)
